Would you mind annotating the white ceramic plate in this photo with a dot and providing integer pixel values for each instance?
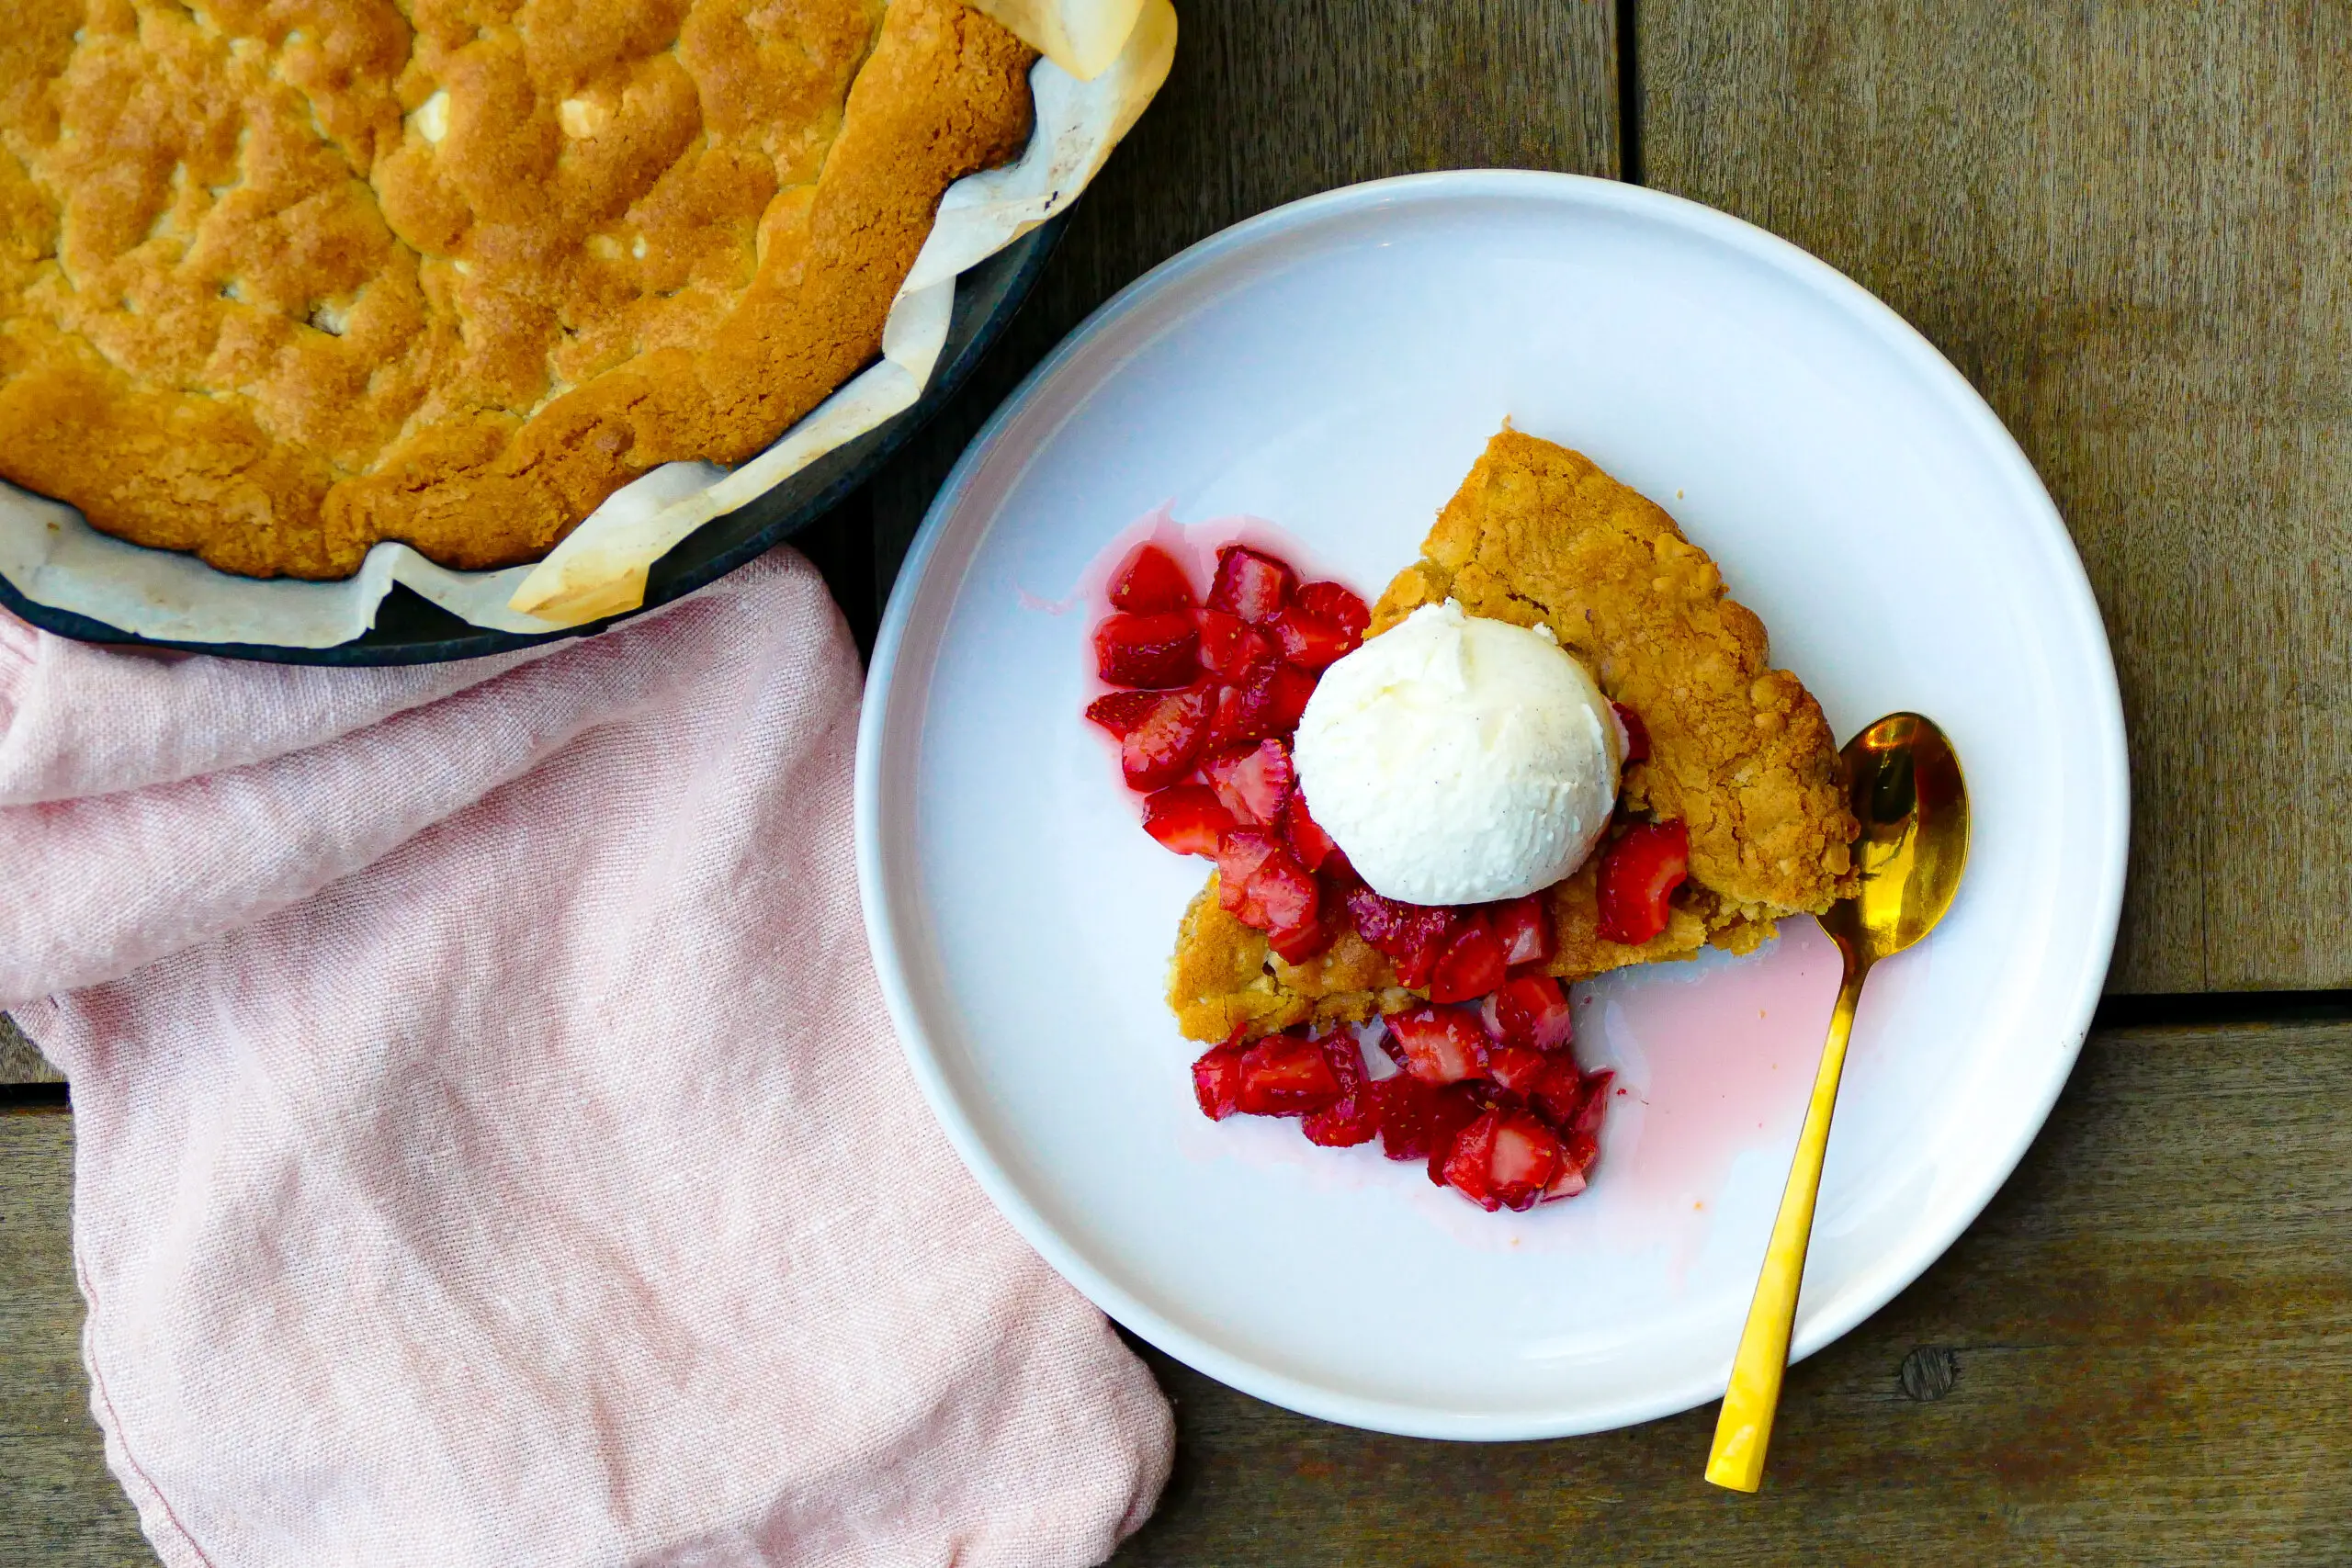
(1335, 367)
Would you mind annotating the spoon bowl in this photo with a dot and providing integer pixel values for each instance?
(1903, 781)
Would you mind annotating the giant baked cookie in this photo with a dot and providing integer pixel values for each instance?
(280, 279)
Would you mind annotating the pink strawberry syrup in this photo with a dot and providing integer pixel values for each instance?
(1714, 1057)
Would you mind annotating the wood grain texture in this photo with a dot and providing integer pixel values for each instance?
(58, 1505)
(2141, 1353)
(19, 1063)
(1271, 102)
(2130, 225)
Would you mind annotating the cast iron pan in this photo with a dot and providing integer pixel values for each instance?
(412, 629)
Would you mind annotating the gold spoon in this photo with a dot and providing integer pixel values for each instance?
(1903, 780)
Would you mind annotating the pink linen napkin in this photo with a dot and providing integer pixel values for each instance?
(489, 1143)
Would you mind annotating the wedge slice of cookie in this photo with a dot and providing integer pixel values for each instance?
(1739, 752)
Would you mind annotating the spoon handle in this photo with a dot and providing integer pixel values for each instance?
(1745, 1428)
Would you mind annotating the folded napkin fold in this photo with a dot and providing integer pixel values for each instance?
(491, 1147)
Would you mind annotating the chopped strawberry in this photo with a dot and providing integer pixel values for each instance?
(1307, 840)
(1559, 1093)
(1267, 701)
(1310, 641)
(1329, 601)
(1187, 818)
(1504, 1159)
(1411, 936)
(1516, 1068)
(1442, 1045)
(1594, 1105)
(1250, 584)
(1451, 1110)
(1571, 1178)
(1472, 964)
(1639, 872)
(1637, 734)
(1155, 651)
(1254, 783)
(1216, 1079)
(1354, 1117)
(1231, 646)
(1298, 944)
(1402, 1104)
(1285, 1076)
(1525, 928)
(1526, 1156)
(1261, 883)
(1160, 748)
(1238, 859)
(1150, 581)
(1120, 712)
(1532, 1011)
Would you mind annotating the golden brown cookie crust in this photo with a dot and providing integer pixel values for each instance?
(1739, 752)
(279, 278)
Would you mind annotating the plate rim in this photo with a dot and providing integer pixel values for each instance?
(1876, 1287)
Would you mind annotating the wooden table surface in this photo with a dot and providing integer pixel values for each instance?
(2131, 227)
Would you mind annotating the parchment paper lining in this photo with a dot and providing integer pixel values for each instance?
(55, 559)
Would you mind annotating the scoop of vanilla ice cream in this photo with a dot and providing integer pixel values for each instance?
(1457, 759)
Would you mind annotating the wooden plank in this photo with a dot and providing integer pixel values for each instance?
(58, 1505)
(2142, 1352)
(1269, 103)
(2127, 225)
(19, 1063)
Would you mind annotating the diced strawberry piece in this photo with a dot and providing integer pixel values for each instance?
(1580, 1144)
(1298, 944)
(1151, 581)
(1571, 1179)
(1231, 646)
(1120, 712)
(1339, 605)
(1354, 1117)
(1504, 1159)
(1472, 964)
(1559, 1093)
(1594, 1105)
(1402, 1104)
(1238, 859)
(1525, 1156)
(1267, 701)
(1525, 928)
(1286, 694)
(1310, 641)
(1250, 584)
(1285, 1076)
(1309, 842)
(1187, 818)
(1637, 734)
(1639, 872)
(1468, 1165)
(1155, 651)
(1254, 784)
(1450, 1111)
(1261, 883)
(1532, 1011)
(1160, 748)
(1516, 1068)
(1442, 1045)
(1410, 936)
(1216, 1080)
